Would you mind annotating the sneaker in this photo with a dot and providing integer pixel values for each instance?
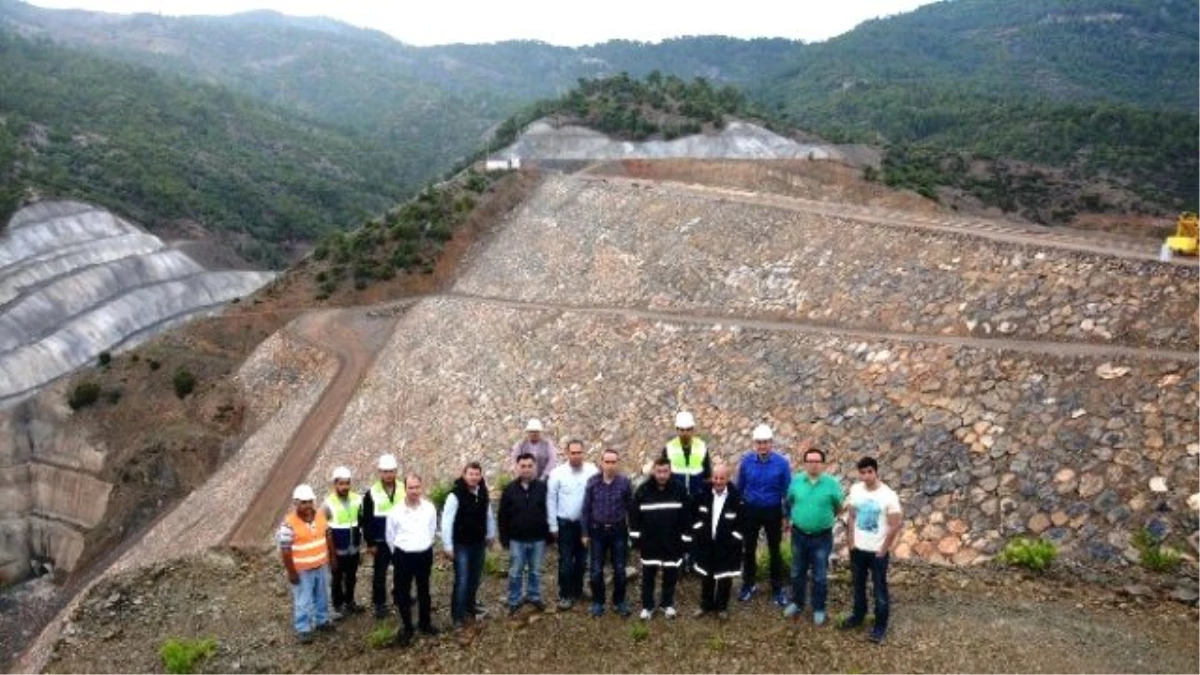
(669, 612)
(597, 610)
(781, 599)
(646, 614)
(623, 610)
(723, 615)
(818, 618)
(480, 612)
(876, 635)
(458, 626)
(699, 614)
(336, 615)
(792, 611)
(747, 593)
(565, 604)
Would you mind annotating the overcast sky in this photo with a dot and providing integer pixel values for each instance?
(562, 22)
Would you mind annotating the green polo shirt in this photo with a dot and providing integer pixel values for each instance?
(814, 506)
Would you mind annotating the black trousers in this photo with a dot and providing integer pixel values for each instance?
(383, 560)
(670, 576)
(768, 518)
(414, 567)
(344, 580)
(714, 593)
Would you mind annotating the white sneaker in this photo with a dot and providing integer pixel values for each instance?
(646, 614)
(669, 612)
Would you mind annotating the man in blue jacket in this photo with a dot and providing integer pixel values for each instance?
(763, 478)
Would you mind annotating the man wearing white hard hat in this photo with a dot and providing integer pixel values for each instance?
(342, 508)
(691, 466)
(763, 476)
(377, 502)
(545, 454)
(305, 542)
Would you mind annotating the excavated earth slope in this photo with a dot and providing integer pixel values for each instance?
(76, 280)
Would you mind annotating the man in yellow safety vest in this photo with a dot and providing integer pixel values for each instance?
(341, 509)
(690, 465)
(377, 502)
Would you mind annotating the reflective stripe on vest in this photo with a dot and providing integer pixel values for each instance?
(309, 549)
(693, 464)
(344, 516)
(380, 497)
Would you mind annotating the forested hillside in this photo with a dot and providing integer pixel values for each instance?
(160, 149)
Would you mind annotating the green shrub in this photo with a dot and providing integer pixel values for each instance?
(639, 631)
(84, 394)
(492, 566)
(184, 381)
(763, 558)
(182, 655)
(382, 635)
(1152, 554)
(1035, 554)
(105, 358)
(439, 492)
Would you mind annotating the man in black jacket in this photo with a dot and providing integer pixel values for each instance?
(524, 530)
(717, 542)
(468, 528)
(659, 526)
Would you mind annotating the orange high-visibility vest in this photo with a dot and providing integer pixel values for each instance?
(309, 549)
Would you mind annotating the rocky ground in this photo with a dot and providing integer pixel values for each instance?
(987, 619)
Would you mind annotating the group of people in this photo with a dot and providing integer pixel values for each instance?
(693, 515)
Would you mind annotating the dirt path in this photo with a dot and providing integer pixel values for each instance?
(355, 343)
(1034, 235)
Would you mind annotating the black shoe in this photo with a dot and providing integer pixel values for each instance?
(876, 635)
(354, 608)
(404, 637)
(327, 627)
(538, 605)
(850, 624)
(429, 630)
(382, 613)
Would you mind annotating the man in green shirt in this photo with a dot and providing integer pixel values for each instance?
(813, 501)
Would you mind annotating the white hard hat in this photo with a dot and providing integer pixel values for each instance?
(684, 420)
(534, 425)
(762, 432)
(388, 462)
(303, 493)
(341, 473)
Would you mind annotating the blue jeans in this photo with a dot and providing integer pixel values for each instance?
(612, 543)
(811, 551)
(862, 563)
(525, 556)
(310, 600)
(571, 559)
(468, 571)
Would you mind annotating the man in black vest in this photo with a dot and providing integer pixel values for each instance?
(468, 528)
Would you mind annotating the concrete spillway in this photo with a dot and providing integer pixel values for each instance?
(76, 280)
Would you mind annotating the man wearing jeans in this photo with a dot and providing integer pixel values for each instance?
(874, 523)
(813, 501)
(604, 517)
(763, 477)
(305, 542)
(523, 530)
(468, 528)
(564, 503)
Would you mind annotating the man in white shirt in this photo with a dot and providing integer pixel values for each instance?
(874, 525)
(564, 506)
(411, 526)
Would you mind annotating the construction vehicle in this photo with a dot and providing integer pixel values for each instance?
(1185, 240)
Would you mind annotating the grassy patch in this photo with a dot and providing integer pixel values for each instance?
(183, 655)
(1034, 554)
(639, 631)
(383, 634)
(1152, 554)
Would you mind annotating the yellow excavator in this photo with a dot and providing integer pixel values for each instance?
(1185, 240)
